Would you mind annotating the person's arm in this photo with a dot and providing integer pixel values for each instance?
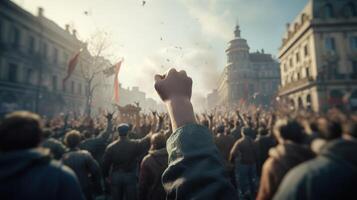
(106, 133)
(195, 169)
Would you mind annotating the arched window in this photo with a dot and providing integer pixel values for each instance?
(300, 103)
(308, 102)
(328, 11)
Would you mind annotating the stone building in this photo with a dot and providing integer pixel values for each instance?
(248, 77)
(319, 56)
(34, 52)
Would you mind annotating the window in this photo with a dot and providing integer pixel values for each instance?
(353, 43)
(298, 76)
(291, 62)
(306, 50)
(307, 72)
(79, 89)
(328, 11)
(31, 44)
(297, 55)
(72, 87)
(65, 57)
(55, 55)
(13, 68)
(28, 78)
(1, 31)
(54, 83)
(354, 70)
(15, 37)
(350, 10)
(330, 44)
(44, 50)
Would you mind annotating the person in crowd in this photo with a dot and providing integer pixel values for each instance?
(243, 157)
(263, 143)
(26, 171)
(56, 147)
(287, 154)
(83, 164)
(151, 169)
(332, 175)
(96, 146)
(120, 163)
(224, 142)
(195, 167)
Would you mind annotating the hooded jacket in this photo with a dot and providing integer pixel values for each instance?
(31, 174)
(282, 158)
(152, 167)
(331, 175)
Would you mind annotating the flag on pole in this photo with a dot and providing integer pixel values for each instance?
(71, 66)
(116, 82)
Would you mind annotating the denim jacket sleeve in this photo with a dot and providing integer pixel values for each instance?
(195, 169)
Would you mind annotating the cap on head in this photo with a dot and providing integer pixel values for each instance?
(123, 129)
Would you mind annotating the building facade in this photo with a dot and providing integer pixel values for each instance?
(318, 57)
(248, 77)
(33, 61)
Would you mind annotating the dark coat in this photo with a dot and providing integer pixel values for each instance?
(85, 167)
(282, 158)
(31, 174)
(195, 169)
(224, 144)
(96, 146)
(122, 155)
(244, 150)
(151, 169)
(330, 176)
(262, 145)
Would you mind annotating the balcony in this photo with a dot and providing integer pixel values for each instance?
(296, 85)
(330, 56)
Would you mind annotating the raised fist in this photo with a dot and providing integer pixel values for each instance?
(173, 85)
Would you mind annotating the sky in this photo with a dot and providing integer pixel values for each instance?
(185, 34)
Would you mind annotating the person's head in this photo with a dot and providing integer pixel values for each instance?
(72, 139)
(158, 141)
(20, 130)
(263, 131)
(289, 130)
(220, 129)
(123, 130)
(247, 131)
(205, 123)
(329, 129)
(47, 133)
(350, 128)
(87, 134)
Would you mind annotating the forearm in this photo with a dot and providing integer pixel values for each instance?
(194, 159)
(181, 112)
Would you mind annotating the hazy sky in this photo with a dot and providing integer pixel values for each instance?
(201, 27)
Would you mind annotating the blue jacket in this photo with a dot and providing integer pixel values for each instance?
(196, 169)
(332, 175)
(30, 174)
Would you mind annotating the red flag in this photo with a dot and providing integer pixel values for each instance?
(116, 82)
(71, 66)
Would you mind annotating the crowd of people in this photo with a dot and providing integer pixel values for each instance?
(241, 154)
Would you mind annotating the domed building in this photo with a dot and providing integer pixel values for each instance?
(247, 77)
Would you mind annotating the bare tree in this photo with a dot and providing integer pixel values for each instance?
(98, 46)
